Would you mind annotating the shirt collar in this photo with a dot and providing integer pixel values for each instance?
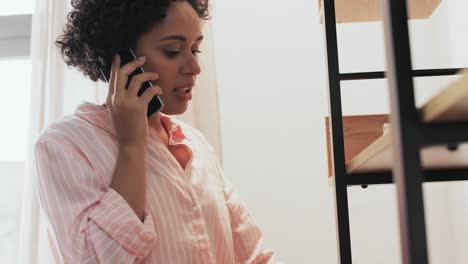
(100, 116)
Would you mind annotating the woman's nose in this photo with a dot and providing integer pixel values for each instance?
(192, 66)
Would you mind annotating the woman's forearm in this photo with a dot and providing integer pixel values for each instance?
(129, 178)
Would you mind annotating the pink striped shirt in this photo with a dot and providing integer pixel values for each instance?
(192, 216)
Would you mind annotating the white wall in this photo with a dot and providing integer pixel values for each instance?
(457, 42)
(271, 78)
(271, 74)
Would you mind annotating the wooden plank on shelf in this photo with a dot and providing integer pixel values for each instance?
(378, 157)
(451, 105)
(348, 11)
(374, 157)
(359, 131)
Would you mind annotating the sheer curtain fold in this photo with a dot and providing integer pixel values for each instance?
(203, 112)
(46, 105)
(55, 92)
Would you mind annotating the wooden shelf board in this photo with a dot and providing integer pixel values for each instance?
(359, 131)
(451, 105)
(378, 157)
(348, 11)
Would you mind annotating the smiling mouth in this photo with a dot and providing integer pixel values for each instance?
(183, 90)
(184, 93)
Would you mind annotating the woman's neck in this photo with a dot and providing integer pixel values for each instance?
(155, 123)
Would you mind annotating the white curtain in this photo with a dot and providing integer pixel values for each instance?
(56, 91)
(203, 112)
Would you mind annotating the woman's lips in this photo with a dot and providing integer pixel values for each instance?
(184, 95)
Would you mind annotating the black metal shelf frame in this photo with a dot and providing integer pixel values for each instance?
(409, 134)
(386, 177)
(352, 76)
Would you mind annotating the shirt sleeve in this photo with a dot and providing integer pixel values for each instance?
(91, 224)
(247, 236)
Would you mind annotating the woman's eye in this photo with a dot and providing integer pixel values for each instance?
(171, 53)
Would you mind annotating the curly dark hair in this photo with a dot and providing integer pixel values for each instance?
(97, 29)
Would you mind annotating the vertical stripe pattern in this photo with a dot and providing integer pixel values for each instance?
(192, 215)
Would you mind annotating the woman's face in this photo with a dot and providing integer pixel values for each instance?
(171, 51)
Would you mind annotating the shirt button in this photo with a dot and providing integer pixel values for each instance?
(147, 236)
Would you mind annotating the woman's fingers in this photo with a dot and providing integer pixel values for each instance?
(113, 72)
(124, 71)
(119, 93)
(138, 80)
(148, 95)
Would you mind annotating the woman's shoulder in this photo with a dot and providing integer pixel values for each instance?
(58, 129)
(87, 122)
(71, 130)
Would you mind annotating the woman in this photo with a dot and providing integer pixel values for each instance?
(118, 187)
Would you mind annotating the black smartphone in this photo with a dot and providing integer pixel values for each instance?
(126, 56)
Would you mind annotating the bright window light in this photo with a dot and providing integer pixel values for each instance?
(14, 108)
(16, 7)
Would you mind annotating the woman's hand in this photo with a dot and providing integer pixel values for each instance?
(127, 109)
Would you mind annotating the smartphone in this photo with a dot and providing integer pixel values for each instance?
(126, 56)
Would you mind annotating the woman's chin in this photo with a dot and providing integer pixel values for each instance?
(179, 110)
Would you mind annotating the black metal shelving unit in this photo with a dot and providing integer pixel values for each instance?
(409, 134)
